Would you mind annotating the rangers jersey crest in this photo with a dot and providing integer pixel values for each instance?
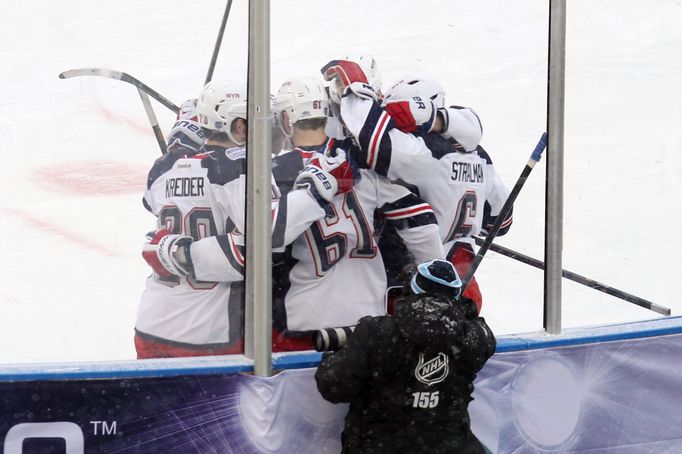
(432, 371)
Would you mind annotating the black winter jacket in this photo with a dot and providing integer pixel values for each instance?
(409, 378)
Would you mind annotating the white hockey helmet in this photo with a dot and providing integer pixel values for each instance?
(417, 84)
(220, 104)
(302, 98)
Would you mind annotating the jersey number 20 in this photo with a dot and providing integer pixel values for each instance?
(198, 224)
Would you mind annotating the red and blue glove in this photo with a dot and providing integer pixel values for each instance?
(168, 254)
(413, 115)
(347, 76)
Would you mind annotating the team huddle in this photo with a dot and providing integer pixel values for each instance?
(365, 184)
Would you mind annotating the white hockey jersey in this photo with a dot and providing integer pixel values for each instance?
(335, 272)
(463, 188)
(203, 196)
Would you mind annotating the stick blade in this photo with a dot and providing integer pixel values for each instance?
(660, 309)
(101, 72)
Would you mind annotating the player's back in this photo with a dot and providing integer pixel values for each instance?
(462, 187)
(339, 274)
(459, 194)
(460, 183)
(183, 193)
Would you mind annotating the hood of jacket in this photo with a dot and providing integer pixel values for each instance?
(429, 322)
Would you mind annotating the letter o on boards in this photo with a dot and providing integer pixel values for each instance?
(546, 402)
(70, 432)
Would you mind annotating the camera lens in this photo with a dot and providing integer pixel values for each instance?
(332, 339)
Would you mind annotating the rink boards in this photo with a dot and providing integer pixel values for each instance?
(601, 389)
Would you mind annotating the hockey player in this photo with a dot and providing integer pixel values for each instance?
(188, 111)
(334, 273)
(409, 378)
(193, 302)
(435, 149)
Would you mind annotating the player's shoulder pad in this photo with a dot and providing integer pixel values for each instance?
(483, 155)
(224, 165)
(469, 109)
(440, 146)
(164, 164)
(285, 169)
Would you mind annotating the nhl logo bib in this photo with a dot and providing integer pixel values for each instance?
(433, 371)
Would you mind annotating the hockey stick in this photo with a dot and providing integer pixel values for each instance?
(124, 77)
(152, 120)
(578, 278)
(506, 208)
(219, 40)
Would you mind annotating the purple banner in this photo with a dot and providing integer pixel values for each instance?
(204, 414)
(608, 397)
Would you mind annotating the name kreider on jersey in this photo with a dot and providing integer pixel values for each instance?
(467, 172)
(185, 187)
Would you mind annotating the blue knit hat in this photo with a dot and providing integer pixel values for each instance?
(436, 276)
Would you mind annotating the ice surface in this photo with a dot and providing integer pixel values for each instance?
(75, 152)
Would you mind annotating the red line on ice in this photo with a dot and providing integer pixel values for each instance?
(92, 178)
(55, 229)
(118, 118)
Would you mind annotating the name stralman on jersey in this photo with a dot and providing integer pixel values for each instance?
(467, 172)
(185, 187)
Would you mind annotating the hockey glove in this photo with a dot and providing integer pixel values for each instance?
(347, 77)
(342, 168)
(188, 110)
(413, 115)
(186, 136)
(168, 254)
(320, 184)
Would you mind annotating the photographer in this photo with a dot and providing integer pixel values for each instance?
(409, 377)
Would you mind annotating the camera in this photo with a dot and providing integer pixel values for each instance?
(332, 339)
